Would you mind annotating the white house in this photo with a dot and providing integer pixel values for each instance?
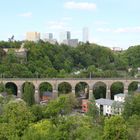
(105, 106)
(111, 107)
(120, 97)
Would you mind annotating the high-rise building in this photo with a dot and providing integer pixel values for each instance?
(85, 34)
(33, 36)
(68, 35)
(65, 36)
(49, 36)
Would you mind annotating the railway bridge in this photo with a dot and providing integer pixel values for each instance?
(55, 82)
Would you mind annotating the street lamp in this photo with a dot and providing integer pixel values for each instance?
(90, 75)
(36, 75)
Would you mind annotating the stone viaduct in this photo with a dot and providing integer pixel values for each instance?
(72, 81)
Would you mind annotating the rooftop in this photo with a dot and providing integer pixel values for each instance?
(120, 95)
(102, 101)
(47, 93)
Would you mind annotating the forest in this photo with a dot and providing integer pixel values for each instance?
(46, 60)
(58, 121)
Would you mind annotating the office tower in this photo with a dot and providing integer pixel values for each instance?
(49, 36)
(85, 34)
(33, 36)
(68, 35)
(65, 36)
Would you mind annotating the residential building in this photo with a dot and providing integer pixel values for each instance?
(120, 97)
(117, 49)
(33, 36)
(46, 96)
(84, 105)
(105, 106)
(111, 107)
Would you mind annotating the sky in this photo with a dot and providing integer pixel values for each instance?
(112, 23)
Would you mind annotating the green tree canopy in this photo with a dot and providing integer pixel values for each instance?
(115, 129)
(16, 118)
(28, 93)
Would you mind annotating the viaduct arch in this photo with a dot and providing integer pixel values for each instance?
(72, 81)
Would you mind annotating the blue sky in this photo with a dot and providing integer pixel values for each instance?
(113, 23)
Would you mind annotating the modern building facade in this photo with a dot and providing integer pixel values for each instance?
(33, 36)
(49, 36)
(71, 42)
(85, 34)
(65, 36)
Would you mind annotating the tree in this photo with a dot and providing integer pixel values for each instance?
(66, 128)
(75, 127)
(116, 88)
(134, 127)
(2, 87)
(133, 87)
(28, 94)
(62, 105)
(41, 130)
(132, 106)
(99, 91)
(37, 111)
(133, 56)
(64, 88)
(115, 128)
(2, 54)
(93, 110)
(16, 118)
(45, 87)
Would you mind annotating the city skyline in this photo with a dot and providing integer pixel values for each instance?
(110, 23)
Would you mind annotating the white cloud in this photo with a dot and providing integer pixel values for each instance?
(67, 18)
(80, 5)
(121, 30)
(101, 22)
(128, 30)
(27, 14)
(57, 25)
(104, 30)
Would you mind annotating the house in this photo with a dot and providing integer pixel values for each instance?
(46, 96)
(111, 107)
(105, 106)
(120, 97)
(84, 105)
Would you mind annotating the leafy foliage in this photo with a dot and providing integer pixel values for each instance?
(28, 93)
(132, 106)
(16, 118)
(46, 60)
(63, 105)
(115, 129)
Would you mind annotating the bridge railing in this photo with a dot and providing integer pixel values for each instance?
(45, 79)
